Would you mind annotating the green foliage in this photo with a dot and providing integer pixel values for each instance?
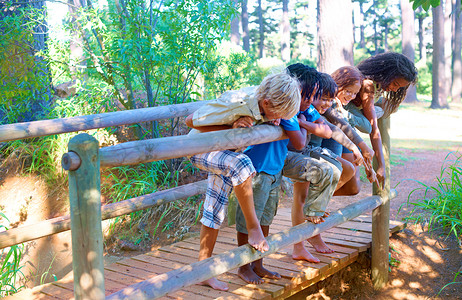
(229, 68)
(132, 46)
(21, 71)
(441, 205)
(425, 4)
(10, 268)
(424, 82)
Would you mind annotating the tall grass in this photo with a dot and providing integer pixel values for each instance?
(121, 183)
(441, 204)
(11, 275)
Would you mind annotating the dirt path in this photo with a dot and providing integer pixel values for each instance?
(424, 263)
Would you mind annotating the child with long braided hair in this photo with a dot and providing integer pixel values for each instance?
(387, 78)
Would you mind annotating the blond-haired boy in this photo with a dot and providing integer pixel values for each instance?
(278, 96)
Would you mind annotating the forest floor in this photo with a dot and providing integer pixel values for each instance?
(423, 261)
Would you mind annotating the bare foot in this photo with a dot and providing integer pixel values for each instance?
(248, 275)
(325, 215)
(300, 253)
(215, 284)
(263, 272)
(257, 240)
(318, 244)
(315, 219)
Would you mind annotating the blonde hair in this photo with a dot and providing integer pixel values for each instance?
(282, 91)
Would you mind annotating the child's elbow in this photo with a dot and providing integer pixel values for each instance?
(299, 145)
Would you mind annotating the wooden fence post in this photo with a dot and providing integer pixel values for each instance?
(381, 216)
(85, 205)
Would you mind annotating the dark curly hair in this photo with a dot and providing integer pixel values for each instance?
(309, 80)
(327, 85)
(383, 69)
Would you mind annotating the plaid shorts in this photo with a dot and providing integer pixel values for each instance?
(226, 169)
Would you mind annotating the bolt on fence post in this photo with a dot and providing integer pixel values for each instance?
(381, 216)
(86, 228)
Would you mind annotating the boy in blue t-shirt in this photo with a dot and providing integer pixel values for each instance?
(268, 160)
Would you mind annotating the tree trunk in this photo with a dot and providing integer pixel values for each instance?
(261, 28)
(456, 56)
(439, 98)
(376, 39)
(245, 27)
(408, 33)
(385, 37)
(285, 40)
(235, 34)
(42, 95)
(362, 39)
(422, 49)
(77, 57)
(335, 39)
(447, 45)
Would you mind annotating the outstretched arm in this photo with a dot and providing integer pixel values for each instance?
(318, 127)
(341, 138)
(337, 119)
(367, 100)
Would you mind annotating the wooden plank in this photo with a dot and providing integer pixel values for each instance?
(359, 246)
(173, 257)
(141, 265)
(159, 261)
(340, 236)
(184, 252)
(321, 276)
(235, 290)
(365, 227)
(350, 232)
(184, 295)
(57, 291)
(396, 226)
(272, 287)
(130, 271)
(29, 294)
(120, 277)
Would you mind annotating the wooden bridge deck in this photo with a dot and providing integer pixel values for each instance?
(348, 240)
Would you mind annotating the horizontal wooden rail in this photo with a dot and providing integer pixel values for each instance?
(17, 131)
(162, 284)
(56, 225)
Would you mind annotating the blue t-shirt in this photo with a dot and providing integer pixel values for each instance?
(270, 157)
(311, 114)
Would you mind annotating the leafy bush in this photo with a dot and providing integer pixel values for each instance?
(424, 82)
(24, 90)
(441, 205)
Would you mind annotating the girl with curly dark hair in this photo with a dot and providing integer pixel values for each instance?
(387, 78)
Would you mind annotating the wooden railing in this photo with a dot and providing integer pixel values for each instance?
(85, 158)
